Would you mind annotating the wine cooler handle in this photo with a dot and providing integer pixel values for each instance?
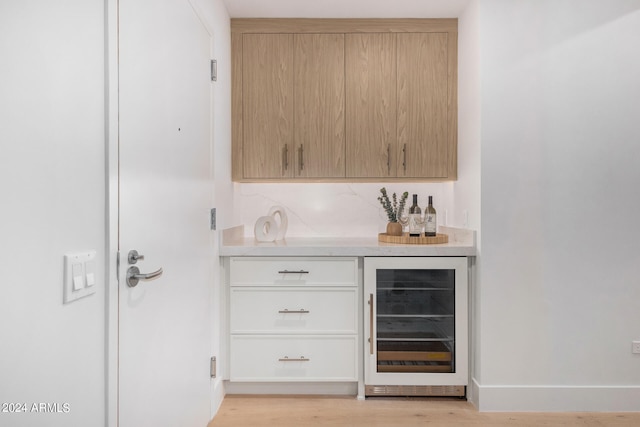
(371, 324)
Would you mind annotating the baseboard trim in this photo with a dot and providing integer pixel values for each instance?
(552, 398)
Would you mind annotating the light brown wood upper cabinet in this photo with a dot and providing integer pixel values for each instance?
(267, 102)
(292, 89)
(422, 86)
(371, 105)
(319, 105)
(344, 100)
(398, 106)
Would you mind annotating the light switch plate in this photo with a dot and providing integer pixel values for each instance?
(78, 282)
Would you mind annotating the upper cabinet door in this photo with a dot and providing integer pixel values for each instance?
(319, 105)
(267, 102)
(371, 105)
(423, 95)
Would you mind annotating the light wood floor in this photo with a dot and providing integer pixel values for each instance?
(279, 411)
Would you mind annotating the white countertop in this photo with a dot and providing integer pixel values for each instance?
(462, 242)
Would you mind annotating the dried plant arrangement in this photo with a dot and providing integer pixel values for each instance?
(392, 207)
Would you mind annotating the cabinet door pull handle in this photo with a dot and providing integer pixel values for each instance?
(404, 157)
(370, 323)
(301, 157)
(389, 159)
(285, 157)
(293, 272)
(299, 359)
(287, 311)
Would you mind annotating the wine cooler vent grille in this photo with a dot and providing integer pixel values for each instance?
(410, 390)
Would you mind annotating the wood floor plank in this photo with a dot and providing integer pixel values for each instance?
(304, 411)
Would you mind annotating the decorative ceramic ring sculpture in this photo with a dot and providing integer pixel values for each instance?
(267, 229)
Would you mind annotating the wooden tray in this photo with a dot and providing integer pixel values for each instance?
(405, 239)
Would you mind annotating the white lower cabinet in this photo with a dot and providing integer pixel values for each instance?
(274, 310)
(294, 358)
(293, 319)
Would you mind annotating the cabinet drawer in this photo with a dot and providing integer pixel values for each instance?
(331, 271)
(301, 311)
(293, 358)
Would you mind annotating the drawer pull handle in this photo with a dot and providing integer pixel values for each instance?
(287, 311)
(299, 359)
(293, 272)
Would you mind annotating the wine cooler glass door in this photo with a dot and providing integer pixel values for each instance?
(415, 320)
(417, 323)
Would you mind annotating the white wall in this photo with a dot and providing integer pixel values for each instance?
(560, 296)
(52, 183)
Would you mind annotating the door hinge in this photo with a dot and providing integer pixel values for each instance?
(212, 368)
(214, 70)
(212, 220)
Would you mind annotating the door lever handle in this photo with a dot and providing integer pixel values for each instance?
(134, 276)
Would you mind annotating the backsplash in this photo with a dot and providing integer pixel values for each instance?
(329, 209)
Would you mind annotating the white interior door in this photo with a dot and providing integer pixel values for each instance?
(165, 191)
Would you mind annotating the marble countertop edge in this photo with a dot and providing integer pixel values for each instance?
(462, 242)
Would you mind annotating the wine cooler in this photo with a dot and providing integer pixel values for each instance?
(416, 326)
